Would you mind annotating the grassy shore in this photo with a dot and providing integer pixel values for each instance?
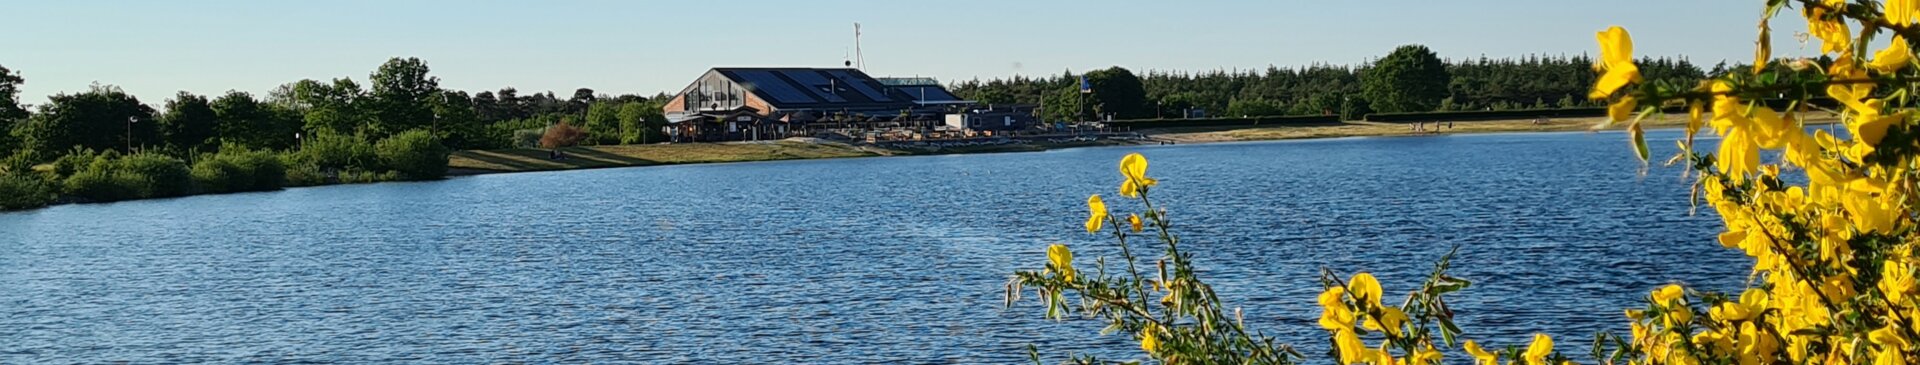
(528, 159)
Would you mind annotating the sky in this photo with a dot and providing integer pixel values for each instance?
(154, 49)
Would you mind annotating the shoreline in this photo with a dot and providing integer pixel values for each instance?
(487, 162)
(507, 161)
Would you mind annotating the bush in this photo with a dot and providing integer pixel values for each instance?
(215, 175)
(509, 133)
(164, 176)
(413, 155)
(238, 169)
(24, 191)
(333, 152)
(528, 138)
(93, 185)
(109, 177)
(304, 174)
(561, 135)
(77, 160)
(363, 176)
(265, 168)
(20, 162)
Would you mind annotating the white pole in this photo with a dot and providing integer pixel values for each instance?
(859, 58)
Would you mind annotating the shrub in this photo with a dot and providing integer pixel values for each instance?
(264, 168)
(24, 191)
(329, 151)
(216, 175)
(363, 176)
(528, 138)
(110, 177)
(238, 169)
(164, 176)
(103, 185)
(561, 135)
(304, 174)
(20, 162)
(509, 133)
(413, 155)
(77, 160)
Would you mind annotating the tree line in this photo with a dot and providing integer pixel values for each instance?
(104, 144)
(1410, 79)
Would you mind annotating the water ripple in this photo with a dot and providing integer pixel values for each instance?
(833, 261)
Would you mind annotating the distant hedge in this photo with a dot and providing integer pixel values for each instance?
(1227, 122)
(1463, 116)
(1474, 115)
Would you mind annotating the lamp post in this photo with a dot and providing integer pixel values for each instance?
(130, 121)
(1346, 102)
(434, 129)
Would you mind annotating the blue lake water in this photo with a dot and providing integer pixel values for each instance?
(873, 260)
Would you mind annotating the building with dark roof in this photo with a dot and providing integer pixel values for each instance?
(788, 101)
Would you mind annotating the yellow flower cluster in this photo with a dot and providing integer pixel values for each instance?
(1060, 260)
(1834, 261)
(1133, 170)
(1359, 301)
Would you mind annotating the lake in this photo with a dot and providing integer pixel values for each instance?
(870, 260)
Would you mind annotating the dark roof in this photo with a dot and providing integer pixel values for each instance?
(928, 93)
(827, 88)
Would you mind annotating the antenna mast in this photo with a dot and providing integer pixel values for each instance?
(859, 59)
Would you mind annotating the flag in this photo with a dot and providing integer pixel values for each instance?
(1085, 86)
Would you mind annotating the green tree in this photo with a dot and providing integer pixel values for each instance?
(103, 118)
(1118, 93)
(640, 122)
(189, 123)
(1254, 108)
(1063, 104)
(402, 94)
(1476, 84)
(415, 155)
(1177, 104)
(602, 123)
(1354, 108)
(10, 110)
(336, 107)
(1411, 79)
(243, 120)
(582, 99)
(460, 125)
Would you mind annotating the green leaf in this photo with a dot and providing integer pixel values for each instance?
(1448, 330)
(1639, 137)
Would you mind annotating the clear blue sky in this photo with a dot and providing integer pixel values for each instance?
(156, 48)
